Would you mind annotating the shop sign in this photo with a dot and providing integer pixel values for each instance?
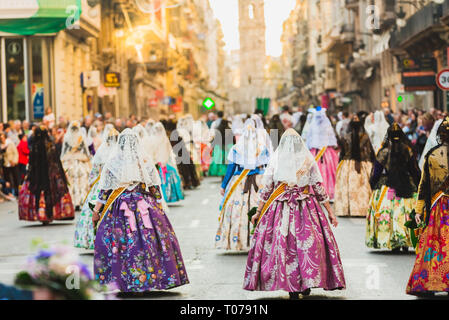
(37, 96)
(112, 79)
(418, 64)
(90, 79)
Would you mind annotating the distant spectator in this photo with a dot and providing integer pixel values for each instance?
(10, 162)
(49, 118)
(24, 153)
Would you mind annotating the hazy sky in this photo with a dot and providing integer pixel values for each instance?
(276, 12)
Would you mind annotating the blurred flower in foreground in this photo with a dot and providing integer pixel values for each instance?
(60, 270)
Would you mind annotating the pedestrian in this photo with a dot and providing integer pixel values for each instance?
(394, 181)
(276, 129)
(75, 158)
(183, 156)
(44, 196)
(49, 118)
(136, 248)
(293, 248)
(430, 273)
(322, 143)
(165, 158)
(376, 127)
(246, 162)
(84, 230)
(24, 153)
(10, 162)
(221, 145)
(352, 188)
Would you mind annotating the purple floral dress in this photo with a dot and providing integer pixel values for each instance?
(136, 248)
(293, 247)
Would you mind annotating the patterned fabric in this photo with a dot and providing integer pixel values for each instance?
(293, 247)
(352, 190)
(171, 184)
(385, 228)
(27, 207)
(431, 270)
(328, 168)
(84, 231)
(233, 230)
(77, 172)
(136, 247)
(205, 157)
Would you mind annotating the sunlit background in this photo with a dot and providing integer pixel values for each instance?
(276, 12)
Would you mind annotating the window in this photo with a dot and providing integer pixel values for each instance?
(251, 11)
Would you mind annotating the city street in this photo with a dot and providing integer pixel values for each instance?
(214, 274)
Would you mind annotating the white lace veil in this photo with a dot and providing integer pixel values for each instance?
(262, 134)
(147, 145)
(110, 135)
(306, 128)
(376, 127)
(149, 126)
(75, 138)
(128, 165)
(237, 125)
(430, 143)
(200, 133)
(292, 163)
(321, 133)
(249, 152)
(164, 152)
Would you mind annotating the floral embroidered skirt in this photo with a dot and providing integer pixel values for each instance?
(352, 189)
(63, 210)
(234, 227)
(386, 218)
(84, 231)
(78, 179)
(431, 270)
(328, 168)
(293, 249)
(171, 184)
(136, 248)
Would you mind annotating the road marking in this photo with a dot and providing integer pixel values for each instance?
(205, 201)
(194, 223)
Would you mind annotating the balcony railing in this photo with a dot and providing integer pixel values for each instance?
(423, 19)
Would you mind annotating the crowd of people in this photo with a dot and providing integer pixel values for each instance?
(279, 178)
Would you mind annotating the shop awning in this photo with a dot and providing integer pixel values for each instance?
(28, 17)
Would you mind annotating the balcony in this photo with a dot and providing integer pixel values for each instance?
(352, 4)
(421, 32)
(157, 66)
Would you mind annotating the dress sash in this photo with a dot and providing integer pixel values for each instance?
(231, 191)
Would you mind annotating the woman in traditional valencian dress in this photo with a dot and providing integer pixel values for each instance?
(394, 181)
(322, 143)
(221, 144)
(430, 273)
(247, 160)
(376, 127)
(75, 158)
(165, 159)
(352, 187)
(178, 138)
(293, 247)
(136, 248)
(202, 137)
(84, 231)
(44, 195)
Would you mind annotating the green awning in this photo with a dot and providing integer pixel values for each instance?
(38, 16)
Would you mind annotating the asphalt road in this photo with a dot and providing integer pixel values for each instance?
(215, 274)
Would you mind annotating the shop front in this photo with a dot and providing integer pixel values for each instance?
(27, 32)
